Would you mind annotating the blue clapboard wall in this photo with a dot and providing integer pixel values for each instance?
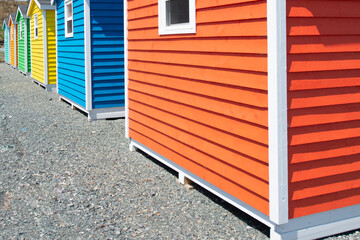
(107, 45)
(107, 54)
(71, 54)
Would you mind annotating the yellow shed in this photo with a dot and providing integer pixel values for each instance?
(43, 43)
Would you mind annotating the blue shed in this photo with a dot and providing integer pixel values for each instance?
(90, 50)
(5, 27)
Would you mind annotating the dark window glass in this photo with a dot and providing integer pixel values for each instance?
(69, 26)
(177, 11)
(36, 32)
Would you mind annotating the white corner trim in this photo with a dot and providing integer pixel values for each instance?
(56, 49)
(277, 100)
(126, 70)
(15, 45)
(30, 45)
(46, 80)
(26, 46)
(88, 77)
(183, 28)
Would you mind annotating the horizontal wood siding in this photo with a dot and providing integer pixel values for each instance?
(107, 45)
(6, 44)
(51, 45)
(12, 45)
(71, 55)
(37, 46)
(21, 47)
(200, 99)
(324, 105)
(17, 46)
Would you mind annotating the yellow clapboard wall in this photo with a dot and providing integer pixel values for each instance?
(51, 46)
(37, 46)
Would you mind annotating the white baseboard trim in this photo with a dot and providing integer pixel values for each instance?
(304, 228)
(48, 87)
(97, 114)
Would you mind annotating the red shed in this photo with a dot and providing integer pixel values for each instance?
(257, 101)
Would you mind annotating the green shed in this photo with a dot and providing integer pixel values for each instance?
(24, 39)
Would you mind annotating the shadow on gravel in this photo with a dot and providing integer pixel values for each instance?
(170, 170)
(75, 108)
(113, 119)
(250, 221)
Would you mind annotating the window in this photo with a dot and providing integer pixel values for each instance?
(36, 27)
(11, 33)
(21, 30)
(177, 17)
(69, 27)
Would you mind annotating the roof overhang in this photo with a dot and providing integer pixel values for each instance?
(42, 7)
(11, 20)
(21, 13)
(4, 24)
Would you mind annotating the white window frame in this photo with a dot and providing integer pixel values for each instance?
(67, 18)
(36, 26)
(21, 30)
(12, 33)
(180, 28)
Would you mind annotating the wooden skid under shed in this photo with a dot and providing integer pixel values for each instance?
(49, 88)
(304, 228)
(96, 114)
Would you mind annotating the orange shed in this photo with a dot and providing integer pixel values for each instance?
(257, 101)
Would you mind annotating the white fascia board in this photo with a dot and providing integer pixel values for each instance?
(277, 102)
(20, 13)
(30, 7)
(17, 13)
(126, 70)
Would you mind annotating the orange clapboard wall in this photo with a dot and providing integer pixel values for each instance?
(200, 99)
(324, 105)
(17, 47)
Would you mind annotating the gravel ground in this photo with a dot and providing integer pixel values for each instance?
(62, 177)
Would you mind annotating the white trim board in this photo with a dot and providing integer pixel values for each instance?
(87, 43)
(208, 186)
(126, 70)
(97, 114)
(277, 102)
(46, 77)
(48, 87)
(26, 46)
(180, 28)
(304, 228)
(15, 45)
(56, 47)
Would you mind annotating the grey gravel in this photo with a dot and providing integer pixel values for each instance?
(62, 177)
